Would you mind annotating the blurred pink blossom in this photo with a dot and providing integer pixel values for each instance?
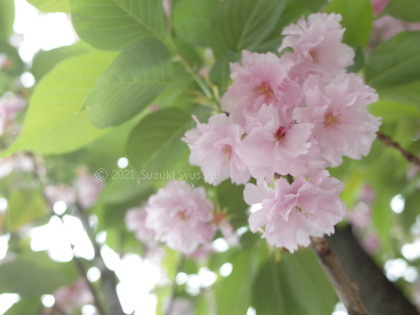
(181, 216)
(379, 6)
(9, 108)
(74, 296)
(135, 220)
(60, 193)
(88, 188)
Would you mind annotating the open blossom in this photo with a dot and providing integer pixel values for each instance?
(74, 296)
(135, 220)
(317, 44)
(342, 125)
(214, 147)
(276, 146)
(181, 216)
(261, 79)
(292, 213)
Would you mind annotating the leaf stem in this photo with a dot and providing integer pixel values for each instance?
(346, 290)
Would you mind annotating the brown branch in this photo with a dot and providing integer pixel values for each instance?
(379, 295)
(344, 288)
(389, 142)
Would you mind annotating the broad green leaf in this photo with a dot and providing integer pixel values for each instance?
(48, 6)
(233, 293)
(113, 24)
(45, 61)
(407, 10)
(231, 197)
(405, 93)
(388, 110)
(26, 306)
(294, 285)
(395, 62)
(293, 11)
(54, 124)
(134, 79)
(243, 24)
(7, 17)
(357, 20)
(220, 73)
(34, 274)
(155, 146)
(192, 18)
(24, 207)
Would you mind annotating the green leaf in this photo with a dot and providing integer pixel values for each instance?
(45, 61)
(7, 17)
(14, 66)
(408, 10)
(134, 79)
(231, 197)
(220, 73)
(155, 145)
(357, 19)
(233, 293)
(24, 207)
(48, 6)
(34, 274)
(192, 20)
(294, 285)
(113, 24)
(53, 123)
(395, 61)
(243, 24)
(405, 93)
(388, 110)
(26, 306)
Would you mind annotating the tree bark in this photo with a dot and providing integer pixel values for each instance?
(379, 295)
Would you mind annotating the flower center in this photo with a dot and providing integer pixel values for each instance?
(265, 89)
(280, 133)
(183, 215)
(332, 120)
(314, 56)
(227, 151)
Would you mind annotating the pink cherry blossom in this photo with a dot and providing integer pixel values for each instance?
(59, 193)
(317, 44)
(342, 125)
(379, 6)
(292, 213)
(387, 26)
(276, 146)
(227, 230)
(135, 220)
(261, 79)
(88, 188)
(214, 147)
(181, 216)
(74, 296)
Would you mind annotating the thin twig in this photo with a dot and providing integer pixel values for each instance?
(343, 287)
(388, 141)
(109, 280)
(82, 271)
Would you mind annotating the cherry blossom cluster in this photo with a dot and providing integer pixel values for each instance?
(285, 119)
(181, 216)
